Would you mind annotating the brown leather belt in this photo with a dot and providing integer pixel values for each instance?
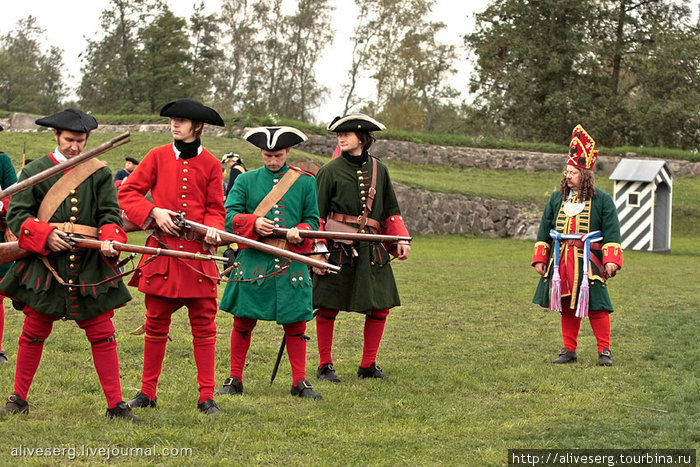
(71, 228)
(276, 242)
(579, 244)
(348, 219)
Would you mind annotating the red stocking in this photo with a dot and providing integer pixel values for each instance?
(36, 329)
(240, 343)
(296, 349)
(101, 334)
(600, 323)
(325, 322)
(374, 329)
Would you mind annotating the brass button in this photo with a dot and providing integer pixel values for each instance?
(185, 162)
(184, 179)
(71, 257)
(359, 172)
(277, 266)
(213, 289)
(362, 184)
(72, 192)
(184, 187)
(199, 281)
(165, 278)
(74, 209)
(73, 218)
(36, 220)
(275, 206)
(72, 266)
(277, 212)
(363, 198)
(184, 205)
(74, 201)
(26, 231)
(148, 282)
(276, 219)
(184, 196)
(71, 281)
(71, 289)
(182, 246)
(185, 170)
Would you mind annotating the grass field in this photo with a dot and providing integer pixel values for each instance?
(467, 357)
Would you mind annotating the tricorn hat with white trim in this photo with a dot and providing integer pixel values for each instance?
(192, 110)
(70, 119)
(274, 138)
(355, 122)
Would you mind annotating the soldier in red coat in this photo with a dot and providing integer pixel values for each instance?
(184, 178)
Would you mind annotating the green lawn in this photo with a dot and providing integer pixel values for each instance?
(468, 359)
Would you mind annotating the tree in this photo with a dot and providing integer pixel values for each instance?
(207, 56)
(30, 80)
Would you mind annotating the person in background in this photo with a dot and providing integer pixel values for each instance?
(235, 165)
(577, 250)
(355, 192)
(7, 177)
(122, 174)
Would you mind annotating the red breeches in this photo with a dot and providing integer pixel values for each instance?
(570, 326)
(201, 313)
(101, 335)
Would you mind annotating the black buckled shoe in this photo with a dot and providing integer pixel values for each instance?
(15, 404)
(141, 400)
(305, 389)
(232, 386)
(3, 357)
(327, 373)
(372, 371)
(123, 411)
(605, 357)
(566, 356)
(208, 407)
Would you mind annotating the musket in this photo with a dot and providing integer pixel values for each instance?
(363, 237)
(69, 163)
(10, 251)
(227, 237)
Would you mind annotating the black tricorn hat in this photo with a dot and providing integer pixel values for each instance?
(193, 110)
(132, 160)
(274, 138)
(355, 122)
(70, 119)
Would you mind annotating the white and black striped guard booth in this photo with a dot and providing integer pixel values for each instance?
(643, 194)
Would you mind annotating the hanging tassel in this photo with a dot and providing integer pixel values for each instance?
(555, 290)
(583, 295)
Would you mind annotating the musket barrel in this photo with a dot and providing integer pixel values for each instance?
(72, 162)
(330, 235)
(233, 238)
(146, 250)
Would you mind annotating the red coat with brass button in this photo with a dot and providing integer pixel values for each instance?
(92, 203)
(192, 187)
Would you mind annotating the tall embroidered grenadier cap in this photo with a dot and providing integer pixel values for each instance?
(582, 151)
(274, 138)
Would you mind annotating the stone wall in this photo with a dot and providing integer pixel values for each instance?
(428, 212)
(458, 156)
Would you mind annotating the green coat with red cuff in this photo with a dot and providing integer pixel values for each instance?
(598, 214)
(93, 203)
(365, 282)
(284, 297)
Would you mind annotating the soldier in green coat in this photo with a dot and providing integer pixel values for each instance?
(90, 209)
(7, 178)
(267, 287)
(355, 192)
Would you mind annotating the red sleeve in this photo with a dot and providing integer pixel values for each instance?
(214, 210)
(322, 228)
(132, 193)
(244, 225)
(5, 205)
(393, 225)
(34, 234)
(612, 253)
(112, 232)
(306, 245)
(541, 253)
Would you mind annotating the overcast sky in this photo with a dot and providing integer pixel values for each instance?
(67, 22)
